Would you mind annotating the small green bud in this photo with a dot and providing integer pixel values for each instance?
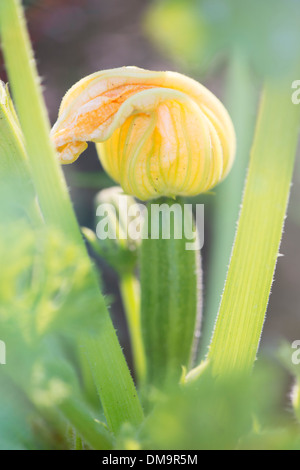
(118, 228)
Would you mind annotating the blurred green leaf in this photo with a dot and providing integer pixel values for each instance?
(45, 288)
(45, 282)
(224, 414)
(17, 195)
(16, 432)
(199, 32)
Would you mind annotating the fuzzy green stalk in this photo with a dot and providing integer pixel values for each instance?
(17, 193)
(124, 262)
(111, 374)
(171, 293)
(87, 428)
(242, 312)
(241, 98)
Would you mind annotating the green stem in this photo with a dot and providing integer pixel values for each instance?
(241, 98)
(16, 188)
(130, 292)
(78, 444)
(91, 431)
(240, 321)
(171, 303)
(111, 374)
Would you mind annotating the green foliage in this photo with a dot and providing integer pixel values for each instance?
(53, 318)
(106, 360)
(16, 430)
(241, 96)
(17, 195)
(198, 32)
(45, 285)
(241, 316)
(120, 250)
(234, 413)
(41, 276)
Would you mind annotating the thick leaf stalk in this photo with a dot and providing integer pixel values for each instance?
(242, 312)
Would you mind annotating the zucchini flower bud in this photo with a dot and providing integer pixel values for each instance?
(157, 133)
(115, 242)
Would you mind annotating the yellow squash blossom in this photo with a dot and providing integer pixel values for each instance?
(157, 133)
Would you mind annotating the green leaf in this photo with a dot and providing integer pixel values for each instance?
(17, 194)
(112, 377)
(17, 416)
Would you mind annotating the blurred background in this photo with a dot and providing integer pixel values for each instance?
(230, 46)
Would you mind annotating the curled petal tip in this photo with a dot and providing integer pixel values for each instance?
(157, 133)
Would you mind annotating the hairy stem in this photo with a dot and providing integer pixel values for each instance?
(171, 298)
(92, 432)
(241, 98)
(241, 317)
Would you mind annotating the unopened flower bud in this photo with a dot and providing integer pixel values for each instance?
(157, 133)
(118, 228)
